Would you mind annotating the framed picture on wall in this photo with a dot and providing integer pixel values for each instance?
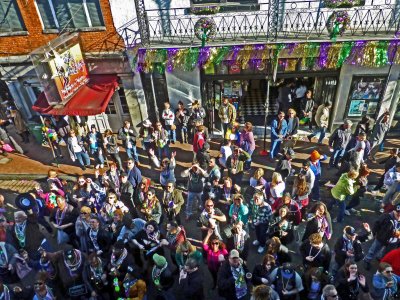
(365, 95)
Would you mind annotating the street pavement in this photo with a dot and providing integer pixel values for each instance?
(18, 176)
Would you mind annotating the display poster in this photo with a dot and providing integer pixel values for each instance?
(356, 108)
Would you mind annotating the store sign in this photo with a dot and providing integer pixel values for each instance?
(68, 70)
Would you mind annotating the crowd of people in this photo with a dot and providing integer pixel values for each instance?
(120, 235)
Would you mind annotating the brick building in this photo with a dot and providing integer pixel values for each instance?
(31, 24)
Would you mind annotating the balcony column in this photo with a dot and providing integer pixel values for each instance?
(143, 22)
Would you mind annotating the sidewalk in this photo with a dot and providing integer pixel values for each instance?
(38, 161)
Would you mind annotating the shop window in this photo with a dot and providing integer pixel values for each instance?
(122, 99)
(10, 17)
(60, 14)
(111, 109)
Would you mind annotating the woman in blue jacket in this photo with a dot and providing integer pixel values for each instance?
(385, 282)
(278, 131)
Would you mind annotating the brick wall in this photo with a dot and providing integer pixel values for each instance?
(91, 41)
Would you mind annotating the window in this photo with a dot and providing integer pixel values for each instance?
(111, 109)
(59, 14)
(122, 99)
(229, 5)
(10, 17)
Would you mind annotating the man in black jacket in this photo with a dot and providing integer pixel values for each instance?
(233, 279)
(99, 240)
(338, 142)
(386, 234)
(191, 281)
(126, 191)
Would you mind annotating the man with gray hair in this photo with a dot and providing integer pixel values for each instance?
(329, 292)
(338, 142)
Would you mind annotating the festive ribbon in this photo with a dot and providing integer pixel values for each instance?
(171, 53)
(323, 55)
(204, 54)
(381, 58)
(333, 55)
(356, 53)
(344, 53)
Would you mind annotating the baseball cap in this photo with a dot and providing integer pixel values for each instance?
(234, 254)
(350, 231)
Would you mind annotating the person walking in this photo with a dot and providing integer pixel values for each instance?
(382, 126)
(338, 142)
(227, 114)
(77, 150)
(322, 121)
(95, 141)
(278, 131)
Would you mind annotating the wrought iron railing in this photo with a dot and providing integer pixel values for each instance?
(297, 20)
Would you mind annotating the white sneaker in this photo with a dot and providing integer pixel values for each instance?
(381, 210)
(256, 243)
(353, 210)
(102, 166)
(347, 213)
(260, 249)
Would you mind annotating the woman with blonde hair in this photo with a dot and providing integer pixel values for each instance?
(186, 250)
(276, 188)
(111, 145)
(300, 192)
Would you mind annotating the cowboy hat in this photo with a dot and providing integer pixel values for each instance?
(146, 123)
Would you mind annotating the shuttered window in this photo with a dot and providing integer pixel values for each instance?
(10, 17)
(70, 13)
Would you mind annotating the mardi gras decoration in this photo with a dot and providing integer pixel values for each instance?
(343, 3)
(205, 10)
(337, 24)
(205, 29)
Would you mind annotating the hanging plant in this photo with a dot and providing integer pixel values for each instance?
(205, 10)
(337, 23)
(205, 29)
(343, 3)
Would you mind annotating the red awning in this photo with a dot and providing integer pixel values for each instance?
(91, 99)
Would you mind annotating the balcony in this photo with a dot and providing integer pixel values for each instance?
(296, 21)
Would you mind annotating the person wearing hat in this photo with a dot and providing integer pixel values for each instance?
(389, 163)
(95, 141)
(182, 117)
(161, 277)
(134, 286)
(227, 114)
(348, 246)
(392, 181)
(342, 192)
(203, 156)
(128, 137)
(315, 166)
(191, 281)
(146, 134)
(338, 142)
(386, 232)
(234, 278)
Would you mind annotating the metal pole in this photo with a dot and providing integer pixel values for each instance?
(154, 97)
(264, 152)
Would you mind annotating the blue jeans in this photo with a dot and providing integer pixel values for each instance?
(191, 199)
(373, 250)
(275, 146)
(321, 131)
(224, 129)
(83, 158)
(161, 151)
(337, 154)
(315, 190)
(98, 156)
(342, 207)
(171, 133)
(247, 163)
(132, 153)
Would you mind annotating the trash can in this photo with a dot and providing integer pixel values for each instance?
(36, 131)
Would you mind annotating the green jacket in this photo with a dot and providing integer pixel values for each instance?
(343, 188)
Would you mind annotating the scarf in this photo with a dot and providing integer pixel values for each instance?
(60, 218)
(116, 263)
(172, 237)
(3, 256)
(156, 274)
(20, 233)
(240, 282)
(323, 226)
(347, 244)
(239, 240)
(93, 238)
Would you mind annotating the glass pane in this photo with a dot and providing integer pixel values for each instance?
(122, 99)
(95, 14)
(78, 14)
(45, 14)
(63, 14)
(10, 18)
(111, 110)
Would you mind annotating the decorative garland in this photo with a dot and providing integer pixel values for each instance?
(205, 10)
(343, 3)
(205, 29)
(313, 55)
(337, 23)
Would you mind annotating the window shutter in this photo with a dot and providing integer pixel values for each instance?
(77, 12)
(10, 18)
(95, 14)
(45, 14)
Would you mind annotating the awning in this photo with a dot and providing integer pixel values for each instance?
(92, 99)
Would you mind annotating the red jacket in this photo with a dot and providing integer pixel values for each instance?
(393, 258)
(198, 141)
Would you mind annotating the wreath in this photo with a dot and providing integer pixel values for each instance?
(205, 29)
(337, 23)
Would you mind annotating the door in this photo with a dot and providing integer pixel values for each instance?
(117, 110)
